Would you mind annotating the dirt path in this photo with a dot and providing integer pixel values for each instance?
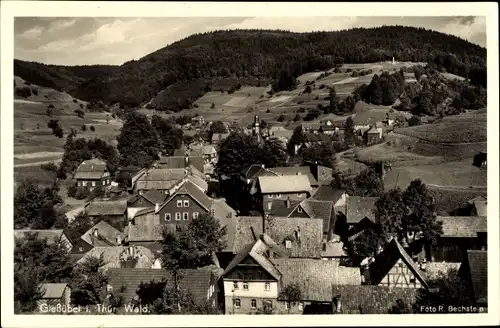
(37, 163)
(455, 187)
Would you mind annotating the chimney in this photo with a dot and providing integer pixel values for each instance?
(157, 207)
(298, 234)
(95, 232)
(119, 240)
(92, 166)
(288, 203)
(269, 206)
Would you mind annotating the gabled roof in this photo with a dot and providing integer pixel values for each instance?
(255, 251)
(284, 184)
(279, 207)
(357, 208)
(252, 171)
(52, 236)
(160, 179)
(326, 192)
(198, 182)
(53, 290)
(222, 210)
(387, 259)
(305, 234)
(243, 231)
(478, 198)
(189, 188)
(107, 235)
(463, 226)
(113, 254)
(106, 207)
(197, 281)
(477, 265)
(323, 210)
(91, 169)
(294, 171)
(154, 196)
(315, 277)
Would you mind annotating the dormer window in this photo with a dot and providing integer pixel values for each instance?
(288, 244)
(299, 209)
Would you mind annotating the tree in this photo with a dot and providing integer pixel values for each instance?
(273, 153)
(49, 167)
(170, 137)
(217, 127)
(322, 153)
(367, 244)
(308, 91)
(366, 184)
(237, 152)
(34, 207)
(88, 284)
(56, 128)
(349, 136)
(26, 289)
(282, 117)
(446, 290)
(334, 100)
(408, 215)
(80, 225)
(414, 120)
(138, 143)
(297, 138)
(193, 247)
(291, 294)
(296, 118)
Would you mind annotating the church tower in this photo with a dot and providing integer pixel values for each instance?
(256, 129)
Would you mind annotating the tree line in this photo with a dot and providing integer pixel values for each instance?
(259, 54)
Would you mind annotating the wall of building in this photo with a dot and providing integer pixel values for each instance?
(296, 196)
(103, 182)
(400, 276)
(141, 202)
(172, 209)
(255, 289)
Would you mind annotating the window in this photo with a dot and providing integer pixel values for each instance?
(271, 195)
(185, 216)
(268, 305)
(179, 203)
(213, 212)
(168, 216)
(267, 286)
(93, 183)
(80, 249)
(245, 286)
(278, 195)
(301, 307)
(287, 306)
(195, 215)
(299, 209)
(288, 244)
(186, 203)
(84, 183)
(237, 303)
(254, 304)
(109, 288)
(235, 285)
(79, 183)
(177, 216)
(299, 194)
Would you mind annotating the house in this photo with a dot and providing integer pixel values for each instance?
(101, 234)
(146, 230)
(328, 129)
(327, 192)
(479, 208)
(250, 281)
(393, 267)
(201, 283)
(122, 257)
(373, 135)
(311, 127)
(317, 209)
(54, 295)
(298, 237)
(209, 154)
(315, 279)
(316, 173)
(159, 179)
(114, 211)
(51, 236)
(480, 160)
(460, 233)
(181, 162)
(147, 199)
(218, 137)
(282, 187)
(92, 173)
(357, 216)
(474, 270)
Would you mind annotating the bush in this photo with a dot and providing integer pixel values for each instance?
(84, 127)
(268, 110)
(49, 167)
(414, 121)
(79, 113)
(297, 118)
(81, 105)
(34, 91)
(78, 192)
(301, 110)
(281, 118)
(92, 128)
(212, 106)
(75, 101)
(24, 92)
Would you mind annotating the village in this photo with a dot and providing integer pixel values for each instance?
(293, 253)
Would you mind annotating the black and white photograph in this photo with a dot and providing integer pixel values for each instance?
(195, 162)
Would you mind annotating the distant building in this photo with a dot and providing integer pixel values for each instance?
(474, 271)
(101, 234)
(162, 180)
(114, 210)
(290, 188)
(373, 135)
(92, 173)
(218, 137)
(122, 257)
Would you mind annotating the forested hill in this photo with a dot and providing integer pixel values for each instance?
(252, 55)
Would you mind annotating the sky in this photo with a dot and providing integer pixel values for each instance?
(113, 41)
